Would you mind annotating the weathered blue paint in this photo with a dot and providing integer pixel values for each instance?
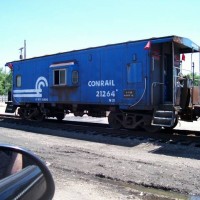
(119, 74)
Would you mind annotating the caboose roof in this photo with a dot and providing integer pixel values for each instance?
(185, 44)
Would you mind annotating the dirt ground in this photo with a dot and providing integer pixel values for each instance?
(96, 167)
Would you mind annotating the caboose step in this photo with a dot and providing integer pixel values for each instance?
(163, 118)
(10, 108)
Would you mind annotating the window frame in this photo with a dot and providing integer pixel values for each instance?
(59, 81)
(18, 82)
(77, 77)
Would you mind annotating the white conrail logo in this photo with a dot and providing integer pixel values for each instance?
(37, 92)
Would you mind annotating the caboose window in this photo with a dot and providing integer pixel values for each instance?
(60, 77)
(75, 77)
(18, 81)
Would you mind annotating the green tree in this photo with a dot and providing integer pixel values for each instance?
(2, 81)
(196, 78)
(5, 82)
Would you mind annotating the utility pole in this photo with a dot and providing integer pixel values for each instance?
(23, 48)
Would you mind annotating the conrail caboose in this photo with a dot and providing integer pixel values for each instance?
(139, 83)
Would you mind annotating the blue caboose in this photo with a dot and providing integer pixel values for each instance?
(140, 83)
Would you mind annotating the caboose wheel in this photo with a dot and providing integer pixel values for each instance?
(60, 116)
(20, 112)
(114, 120)
(36, 115)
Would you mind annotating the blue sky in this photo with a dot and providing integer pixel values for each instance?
(52, 26)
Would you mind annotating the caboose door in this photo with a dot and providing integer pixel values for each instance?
(168, 78)
(157, 84)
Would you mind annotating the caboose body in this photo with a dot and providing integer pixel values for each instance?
(140, 83)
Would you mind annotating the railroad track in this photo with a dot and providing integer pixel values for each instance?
(182, 137)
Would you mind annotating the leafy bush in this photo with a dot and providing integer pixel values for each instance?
(5, 82)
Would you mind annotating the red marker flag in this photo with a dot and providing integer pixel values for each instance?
(148, 45)
(183, 57)
(10, 66)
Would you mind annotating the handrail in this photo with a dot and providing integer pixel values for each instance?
(145, 87)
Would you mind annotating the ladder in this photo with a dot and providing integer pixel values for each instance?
(164, 118)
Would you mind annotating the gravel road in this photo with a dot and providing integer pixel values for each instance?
(97, 167)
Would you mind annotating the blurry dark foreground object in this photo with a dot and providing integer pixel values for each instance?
(23, 175)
